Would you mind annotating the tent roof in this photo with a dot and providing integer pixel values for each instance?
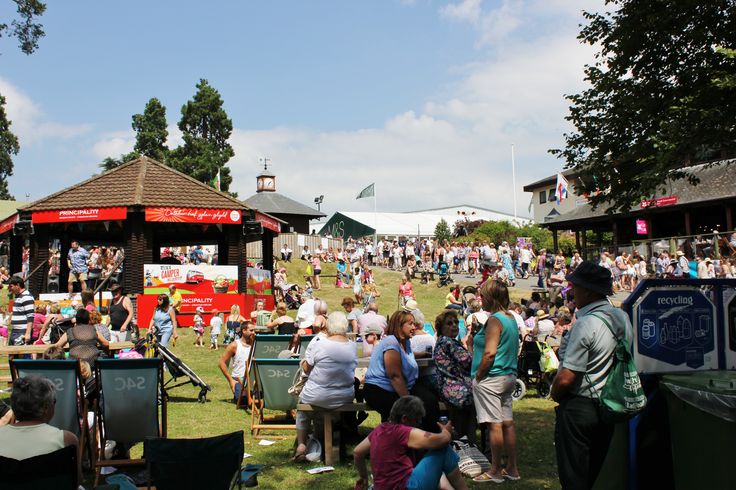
(140, 182)
(9, 208)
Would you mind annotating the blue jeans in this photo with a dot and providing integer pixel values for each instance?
(165, 336)
(453, 306)
(236, 393)
(428, 472)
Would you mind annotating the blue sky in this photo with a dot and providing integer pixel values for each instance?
(422, 97)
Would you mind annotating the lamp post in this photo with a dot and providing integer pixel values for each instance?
(318, 202)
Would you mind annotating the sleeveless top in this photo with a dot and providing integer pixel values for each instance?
(506, 359)
(23, 442)
(83, 343)
(118, 314)
(237, 365)
(232, 325)
(162, 320)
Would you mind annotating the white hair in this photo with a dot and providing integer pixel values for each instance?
(337, 323)
(320, 307)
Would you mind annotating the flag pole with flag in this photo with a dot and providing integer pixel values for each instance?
(216, 181)
(370, 191)
(561, 188)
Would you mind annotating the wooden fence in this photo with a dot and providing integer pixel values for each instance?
(296, 242)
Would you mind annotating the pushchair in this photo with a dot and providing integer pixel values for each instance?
(444, 277)
(537, 366)
(291, 297)
(150, 347)
(469, 293)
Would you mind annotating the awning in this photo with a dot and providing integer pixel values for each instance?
(194, 215)
(80, 214)
(268, 222)
(7, 224)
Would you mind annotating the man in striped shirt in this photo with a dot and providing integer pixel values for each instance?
(23, 312)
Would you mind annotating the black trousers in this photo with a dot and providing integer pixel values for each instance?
(381, 401)
(581, 442)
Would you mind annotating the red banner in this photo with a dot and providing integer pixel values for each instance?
(7, 224)
(660, 201)
(189, 302)
(194, 215)
(268, 222)
(82, 214)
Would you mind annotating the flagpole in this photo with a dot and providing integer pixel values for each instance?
(375, 220)
(513, 177)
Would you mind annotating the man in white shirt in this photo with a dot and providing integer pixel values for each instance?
(305, 313)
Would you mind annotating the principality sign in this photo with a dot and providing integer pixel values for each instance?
(268, 222)
(80, 214)
(194, 215)
(660, 201)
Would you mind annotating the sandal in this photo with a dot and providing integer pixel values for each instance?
(488, 477)
(299, 458)
(510, 477)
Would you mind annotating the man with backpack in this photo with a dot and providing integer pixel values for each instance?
(584, 429)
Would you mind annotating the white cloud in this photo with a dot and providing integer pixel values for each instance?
(466, 10)
(29, 123)
(114, 144)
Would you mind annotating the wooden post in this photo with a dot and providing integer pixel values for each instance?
(554, 241)
(577, 240)
(584, 251)
(614, 228)
(729, 218)
(688, 224)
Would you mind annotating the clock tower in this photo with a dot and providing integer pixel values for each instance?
(266, 180)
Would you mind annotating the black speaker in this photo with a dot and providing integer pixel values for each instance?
(23, 228)
(52, 286)
(252, 228)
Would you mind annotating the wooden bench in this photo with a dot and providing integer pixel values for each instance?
(332, 446)
(544, 292)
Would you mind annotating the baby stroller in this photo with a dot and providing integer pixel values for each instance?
(469, 293)
(537, 366)
(444, 277)
(291, 297)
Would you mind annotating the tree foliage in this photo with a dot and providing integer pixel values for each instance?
(151, 132)
(442, 231)
(8, 147)
(656, 101)
(25, 28)
(206, 129)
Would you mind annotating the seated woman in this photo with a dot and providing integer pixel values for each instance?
(33, 403)
(83, 339)
(393, 372)
(391, 446)
(452, 364)
(452, 300)
(281, 321)
(330, 364)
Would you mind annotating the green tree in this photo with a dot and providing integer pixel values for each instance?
(25, 29)
(206, 129)
(110, 163)
(654, 105)
(151, 132)
(8, 147)
(442, 231)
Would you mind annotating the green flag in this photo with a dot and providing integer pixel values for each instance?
(216, 181)
(367, 192)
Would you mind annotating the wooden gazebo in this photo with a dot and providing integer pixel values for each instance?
(141, 206)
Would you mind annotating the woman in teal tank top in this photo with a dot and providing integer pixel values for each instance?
(495, 358)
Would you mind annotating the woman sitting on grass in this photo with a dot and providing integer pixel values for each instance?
(390, 447)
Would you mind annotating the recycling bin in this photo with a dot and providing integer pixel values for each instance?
(702, 413)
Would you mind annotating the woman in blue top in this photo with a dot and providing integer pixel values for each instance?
(393, 372)
(164, 321)
(495, 351)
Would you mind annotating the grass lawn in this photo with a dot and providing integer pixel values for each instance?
(187, 418)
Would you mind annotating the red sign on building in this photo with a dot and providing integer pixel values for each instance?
(660, 201)
(268, 222)
(7, 223)
(642, 227)
(82, 214)
(194, 215)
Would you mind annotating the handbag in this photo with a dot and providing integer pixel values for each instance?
(300, 379)
(472, 462)
(622, 397)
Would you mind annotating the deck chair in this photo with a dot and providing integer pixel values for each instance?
(268, 346)
(211, 462)
(57, 470)
(429, 328)
(304, 341)
(128, 407)
(462, 329)
(71, 409)
(273, 377)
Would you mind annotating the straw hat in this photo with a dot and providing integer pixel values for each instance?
(541, 315)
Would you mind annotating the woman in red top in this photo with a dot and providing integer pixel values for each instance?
(390, 447)
(406, 291)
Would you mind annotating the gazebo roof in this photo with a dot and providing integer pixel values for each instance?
(275, 203)
(140, 182)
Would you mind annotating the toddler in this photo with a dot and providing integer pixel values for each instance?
(105, 312)
(199, 326)
(216, 327)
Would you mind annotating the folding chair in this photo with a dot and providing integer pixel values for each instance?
(128, 406)
(303, 343)
(273, 378)
(211, 462)
(429, 328)
(57, 470)
(71, 404)
(268, 346)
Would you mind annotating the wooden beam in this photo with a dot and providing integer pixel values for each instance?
(688, 224)
(729, 218)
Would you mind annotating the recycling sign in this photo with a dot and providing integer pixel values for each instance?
(675, 330)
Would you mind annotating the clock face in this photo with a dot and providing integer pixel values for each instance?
(269, 183)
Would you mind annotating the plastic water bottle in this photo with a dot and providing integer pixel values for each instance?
(359, 346)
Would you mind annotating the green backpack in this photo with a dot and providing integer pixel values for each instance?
(622, 397)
